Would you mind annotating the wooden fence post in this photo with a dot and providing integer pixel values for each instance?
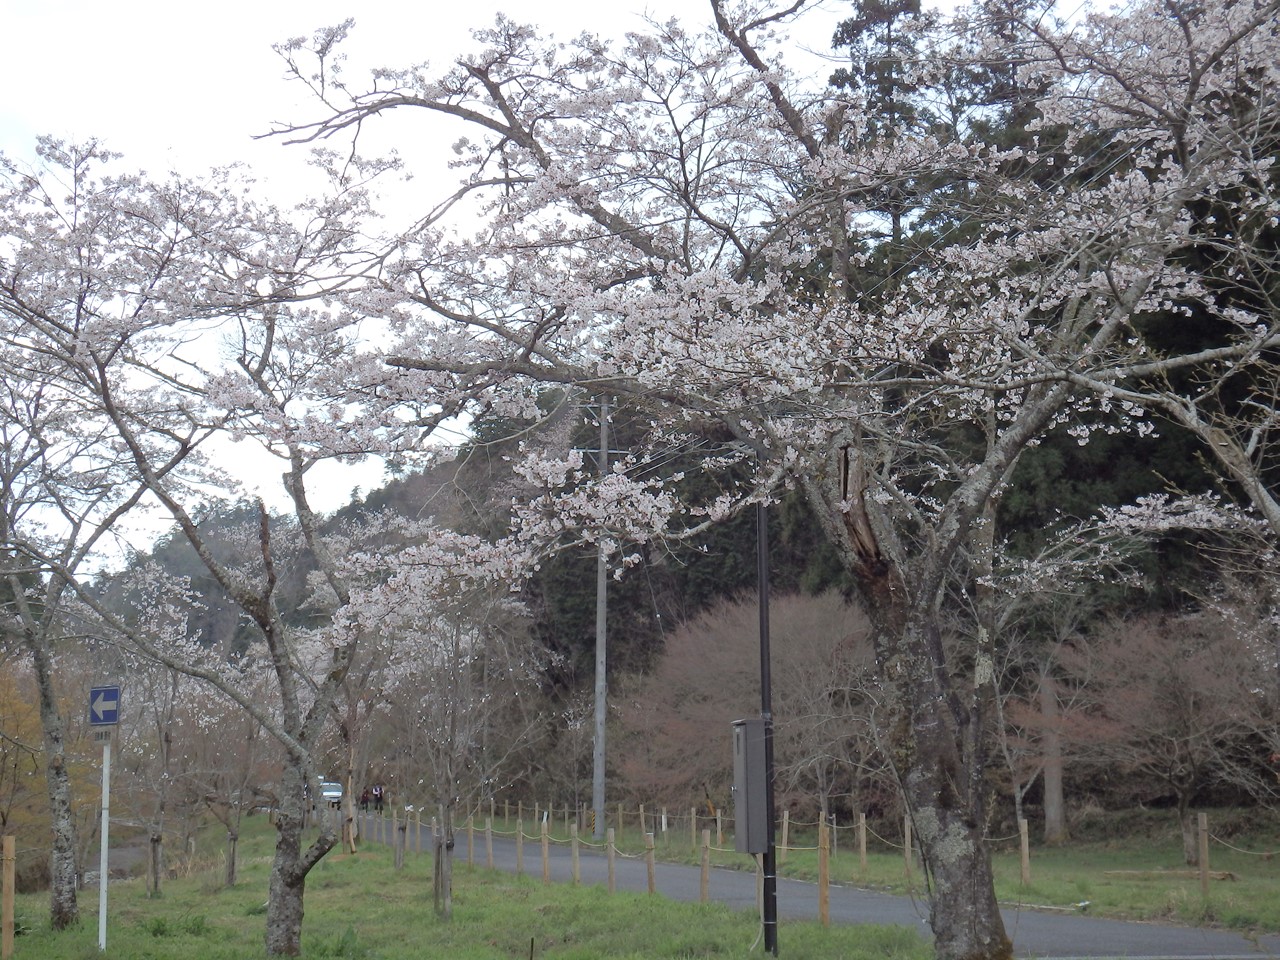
(704, 888)
(506, 814)
(612, 852)
(573, 842)
(643, 825)
(648, 861)
(1202, 823)
(720, 828)
(546, 854)
(8, 874)
(471, 841)
(488, 843)
(786, 836)
(666, 841)
(417, 828)
(693, 828)
(1025, 844)
(862, 842)
(906, 846)
(824, 873)
(619, 823)
(519, 810)
(519, 848)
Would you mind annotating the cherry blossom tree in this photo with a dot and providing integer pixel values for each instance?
(65, 491)
(456, 710)
(177, 319)
(682, 221)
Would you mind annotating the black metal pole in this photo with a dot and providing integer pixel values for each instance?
(766, 714)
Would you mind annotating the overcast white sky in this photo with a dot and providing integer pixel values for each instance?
(185, 86)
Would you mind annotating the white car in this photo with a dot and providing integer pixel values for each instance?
(331, 791)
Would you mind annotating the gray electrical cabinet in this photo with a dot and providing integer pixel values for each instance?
(750, 787)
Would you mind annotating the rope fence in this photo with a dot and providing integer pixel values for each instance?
(403, 829)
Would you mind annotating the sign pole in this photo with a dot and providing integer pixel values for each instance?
(104, 714)
(102, 857)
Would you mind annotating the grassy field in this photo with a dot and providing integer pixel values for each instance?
(360, 907)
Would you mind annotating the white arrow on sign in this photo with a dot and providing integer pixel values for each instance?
(105, 702)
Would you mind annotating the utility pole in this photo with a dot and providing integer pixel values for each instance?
(602, 687)
(770, 856)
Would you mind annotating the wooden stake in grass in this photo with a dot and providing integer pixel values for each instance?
(1202, 823)
(519, 848)
(488, 843)
(648, 862)
(612, 851)
(8, 869)
(400, 831)
(824, 873)
(1025, 844)
(693, 828)
(546, 854)
(906, 846)
(704, 887)
(862, 842)
(786, 836)
(471, 841)
(573, 846)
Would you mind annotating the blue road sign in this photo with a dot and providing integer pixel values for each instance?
(104, 706)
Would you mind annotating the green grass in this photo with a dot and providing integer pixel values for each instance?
(361, 908)
(1064, 877)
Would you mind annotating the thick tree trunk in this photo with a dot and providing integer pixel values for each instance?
(291, 865)
(948, 818)
(286, 888)
(937, 746)
(1055, 814)
(63, 907)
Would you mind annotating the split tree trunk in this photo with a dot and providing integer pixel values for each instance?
(937, 746)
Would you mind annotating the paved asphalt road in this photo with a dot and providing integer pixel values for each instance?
(1036, 933)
